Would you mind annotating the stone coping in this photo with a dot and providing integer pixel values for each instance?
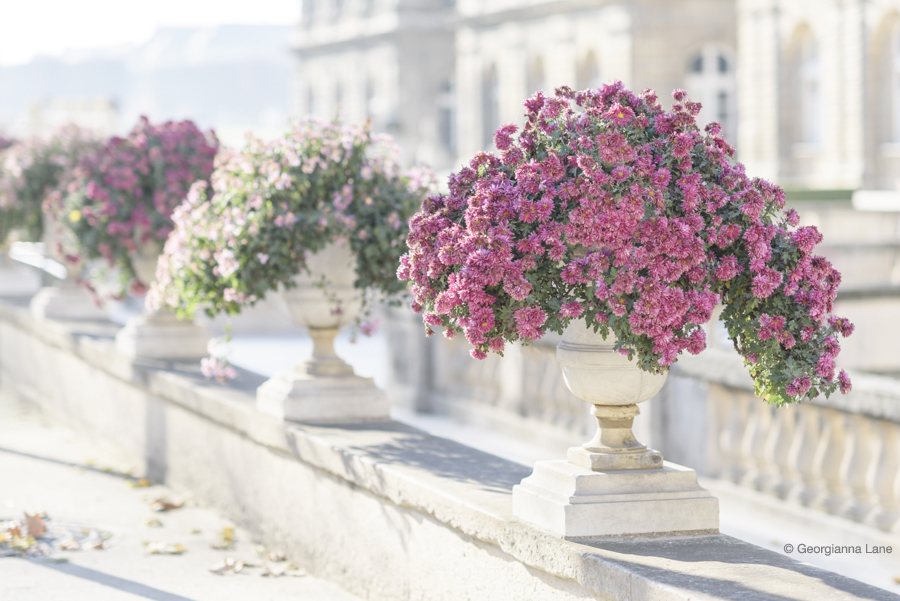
(462, 489)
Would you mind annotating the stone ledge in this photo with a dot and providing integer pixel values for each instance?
(384, 509)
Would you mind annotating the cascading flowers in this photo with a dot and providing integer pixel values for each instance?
(629, 217)
(34, 176)
(123, 195)
(248, 230)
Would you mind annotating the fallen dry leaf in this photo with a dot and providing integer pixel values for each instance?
(196, 531)
(154, 523)
(164, 504)
(139, 483)
(228, 567)
(161, 548)
(35, 525)
(275, 571)
(225, 539)
(897, 579)
(69, 544)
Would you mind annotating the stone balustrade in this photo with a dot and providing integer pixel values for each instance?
(839, 455)
(382, 509)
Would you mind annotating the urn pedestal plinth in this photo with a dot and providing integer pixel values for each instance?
(66, 300)
(613, 485)
(159, 334)
(323, 388)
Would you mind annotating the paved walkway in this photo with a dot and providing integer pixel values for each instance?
(49, 468)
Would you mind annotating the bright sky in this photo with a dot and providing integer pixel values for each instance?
(32, 27)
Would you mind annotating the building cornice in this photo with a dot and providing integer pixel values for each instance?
(541, 9)
(318, 38)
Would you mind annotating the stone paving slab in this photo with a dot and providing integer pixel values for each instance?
(50, 468)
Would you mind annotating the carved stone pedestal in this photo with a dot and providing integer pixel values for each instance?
(67, 300)
(323, 388)
(613, 485)
(162, 335)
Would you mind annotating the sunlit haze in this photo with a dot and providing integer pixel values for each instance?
(51, 27)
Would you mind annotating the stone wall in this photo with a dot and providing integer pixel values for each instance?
(382, 509)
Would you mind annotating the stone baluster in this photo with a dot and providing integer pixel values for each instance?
(802, 455)
(829, 457)
(754, 445)
(855, 468)
(734, 464)
(886, 478)
(778, 447)
(720, 403)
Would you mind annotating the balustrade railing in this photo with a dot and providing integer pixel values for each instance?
(839, 455)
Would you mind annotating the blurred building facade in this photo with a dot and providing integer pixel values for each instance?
(808, 91)
(507, 50)
(820, 92)
(391, 61)
(442, 75)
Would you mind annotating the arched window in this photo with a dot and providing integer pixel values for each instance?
(588, 73)
(446, 117)
(490, 106)
(369, 91)
(310, 100)
(338, 96)
(894, 81)
(711, 82)
(806, 79)
(535, 80)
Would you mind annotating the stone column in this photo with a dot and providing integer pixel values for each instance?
(759, 72)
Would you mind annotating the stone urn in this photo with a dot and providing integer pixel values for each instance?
(324, 387)
(65, 298)
(612, 485)
(159, 334)
(594, 372)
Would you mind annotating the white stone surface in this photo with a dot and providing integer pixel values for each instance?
(17, 279)
(577, 503)
(50, 466)
(162, 335)
(300, 397)
(382, 509)
(66, 300)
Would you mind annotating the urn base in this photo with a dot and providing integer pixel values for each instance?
(65, 302)
(303, 397)
(641, 460)
(162, 336)
(575, 503)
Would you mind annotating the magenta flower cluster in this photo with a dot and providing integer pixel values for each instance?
(124, 195)
(626, 215)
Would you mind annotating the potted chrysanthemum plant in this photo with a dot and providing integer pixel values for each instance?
(320, 217)
(34, 176)
(621, 226)
(119, 211)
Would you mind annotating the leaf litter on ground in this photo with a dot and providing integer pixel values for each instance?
(36, 535)
(163, 548)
